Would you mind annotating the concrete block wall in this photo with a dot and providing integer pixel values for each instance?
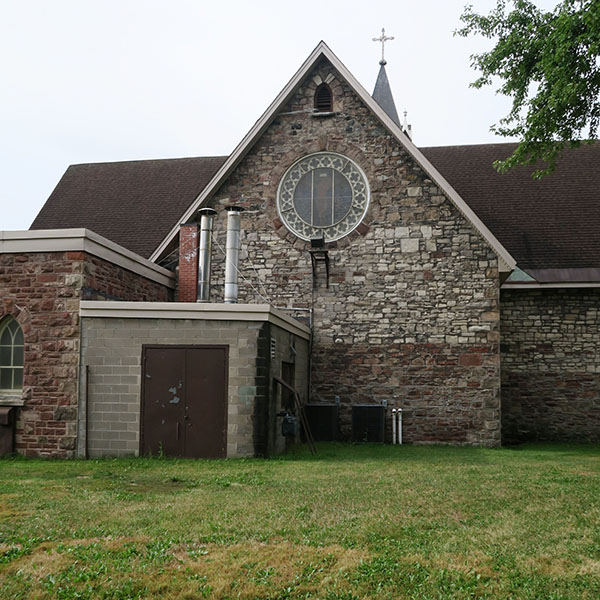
(550, 365)
(112, 349)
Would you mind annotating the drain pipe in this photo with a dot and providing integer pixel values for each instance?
(396, 426)
(232, 254)
(399, 415)
(207, 216)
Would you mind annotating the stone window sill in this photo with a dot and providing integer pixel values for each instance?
(11, 399)
(323, 115)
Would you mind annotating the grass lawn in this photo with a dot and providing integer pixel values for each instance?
(352, 522)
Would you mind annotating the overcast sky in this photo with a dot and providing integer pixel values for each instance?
(94, 81)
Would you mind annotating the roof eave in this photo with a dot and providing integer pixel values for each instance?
(506, 261)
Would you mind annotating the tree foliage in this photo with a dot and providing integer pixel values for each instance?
(549, 64)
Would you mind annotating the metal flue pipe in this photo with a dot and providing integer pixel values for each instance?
(232, 254)
(207, 216)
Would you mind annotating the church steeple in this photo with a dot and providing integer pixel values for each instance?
(382, 94)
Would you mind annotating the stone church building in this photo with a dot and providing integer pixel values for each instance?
(369, 272)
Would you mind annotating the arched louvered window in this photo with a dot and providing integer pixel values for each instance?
(11, 355)
(324, 98)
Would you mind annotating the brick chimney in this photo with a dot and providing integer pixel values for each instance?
(188, 262)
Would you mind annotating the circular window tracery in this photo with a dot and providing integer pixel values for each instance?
(323, 195)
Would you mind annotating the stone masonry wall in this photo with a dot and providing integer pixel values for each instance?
(42, 291)
(105, 281)
(550, 365)
(411, 314)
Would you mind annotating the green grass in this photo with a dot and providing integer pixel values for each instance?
(352, 522)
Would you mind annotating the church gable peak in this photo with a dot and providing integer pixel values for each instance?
(323, 54)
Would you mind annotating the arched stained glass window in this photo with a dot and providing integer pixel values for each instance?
(11, 355)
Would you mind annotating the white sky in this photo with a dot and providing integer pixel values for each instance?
(108, 80)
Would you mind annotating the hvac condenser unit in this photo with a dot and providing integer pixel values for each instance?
(323, 421)
(368, 423)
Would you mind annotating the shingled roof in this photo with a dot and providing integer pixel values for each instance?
(551, 223)
(134, 203)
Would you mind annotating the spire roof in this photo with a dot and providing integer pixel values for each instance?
(382, 94)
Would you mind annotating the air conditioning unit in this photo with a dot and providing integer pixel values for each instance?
(368, 423)
(323, 421)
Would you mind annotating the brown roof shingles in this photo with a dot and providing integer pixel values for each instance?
(134, 203)
(548, 223)
(552, 223)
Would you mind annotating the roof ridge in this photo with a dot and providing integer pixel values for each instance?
(149, 160)
(483, 145)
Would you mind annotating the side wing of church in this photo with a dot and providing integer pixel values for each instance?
(192, 306)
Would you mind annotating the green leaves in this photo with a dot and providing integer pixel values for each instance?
(549, 64)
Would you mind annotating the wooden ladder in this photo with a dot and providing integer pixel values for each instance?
(300, 409)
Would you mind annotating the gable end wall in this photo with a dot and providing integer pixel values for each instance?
(411, 315)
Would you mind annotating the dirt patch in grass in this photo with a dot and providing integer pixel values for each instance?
(6, 510)
(142, 566)
(559, 567)
(478, 563)
(253, 569)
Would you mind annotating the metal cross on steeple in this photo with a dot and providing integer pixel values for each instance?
(383, 39)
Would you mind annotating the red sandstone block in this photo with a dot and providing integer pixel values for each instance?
(47, 278)
(363, 229)
(75, 255)
(470, 360)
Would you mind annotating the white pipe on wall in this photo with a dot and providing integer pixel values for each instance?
(399, 415)
(396, 425)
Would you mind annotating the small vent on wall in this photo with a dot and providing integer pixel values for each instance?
(273, 348)
(324, 98)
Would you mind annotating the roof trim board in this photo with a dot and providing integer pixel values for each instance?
(546, 286)
(507, 262)
(83, 240)
(192, 310)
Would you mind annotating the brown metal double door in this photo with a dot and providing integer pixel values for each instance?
(184, 401)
